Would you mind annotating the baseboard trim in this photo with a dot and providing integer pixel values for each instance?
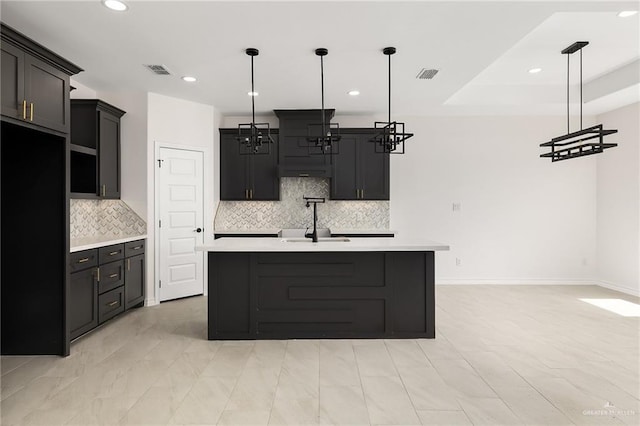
(151, 302)
(625, 290)
(528, 281)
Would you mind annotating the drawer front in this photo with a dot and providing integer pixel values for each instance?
(111, 276)
(110, 253)
(134, 248)
(81, 260)
(110, 304)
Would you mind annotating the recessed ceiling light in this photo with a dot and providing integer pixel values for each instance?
(354, 92)
(189, 79)
(535, 70)
(252, 93)
(116, 5)
(627, 13)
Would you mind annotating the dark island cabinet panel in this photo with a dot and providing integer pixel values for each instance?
(248, 176)
(317, 295)
(359, 172)
(13, 102)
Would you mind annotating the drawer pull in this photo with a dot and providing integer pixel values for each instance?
(303, 174)
(136, 248)
(113, 275)
(114, 303)
(113, 253)
(85, 259)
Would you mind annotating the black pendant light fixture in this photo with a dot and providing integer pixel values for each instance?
(390, 139)
(254, 138)
(584, 141)
(323, 137)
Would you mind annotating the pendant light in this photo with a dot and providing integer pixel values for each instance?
(390, 139)
(323, 137)
(254, 138)
(584, 141)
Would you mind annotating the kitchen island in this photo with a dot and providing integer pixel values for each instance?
(275, 288)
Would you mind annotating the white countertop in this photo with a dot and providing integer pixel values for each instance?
(87, 243)
(355, 244)
(275, 231)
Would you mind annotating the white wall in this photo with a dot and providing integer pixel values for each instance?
(618, 203)
(81, 91)
(521, 218)
(177, 122)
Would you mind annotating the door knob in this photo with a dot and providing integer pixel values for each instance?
(198, 229)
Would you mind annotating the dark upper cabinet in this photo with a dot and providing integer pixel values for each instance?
(295, 158)
(359, 172)
(251, 176)
(35, 83)
(95, 149)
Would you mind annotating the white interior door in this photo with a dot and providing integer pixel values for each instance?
(181, 223)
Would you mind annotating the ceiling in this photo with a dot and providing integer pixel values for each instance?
(483, 51)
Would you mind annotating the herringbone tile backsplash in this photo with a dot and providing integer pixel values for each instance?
(104, 217)
(290, 211)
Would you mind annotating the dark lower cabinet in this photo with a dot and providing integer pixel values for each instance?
(134, 281)
(105, 282)
(285, 295)
(83, 299)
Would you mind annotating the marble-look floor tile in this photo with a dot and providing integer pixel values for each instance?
(338, 366)
(387, 401)
(440, 418)
(343, 405)
(427, 390)
(294, 411)
(488, 411)
(102, 411)
(406, 353)
(374, 360)
(205, 402)
(462, 378)
(245, 417)
(531, 407)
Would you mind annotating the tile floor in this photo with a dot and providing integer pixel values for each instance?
(506, 355)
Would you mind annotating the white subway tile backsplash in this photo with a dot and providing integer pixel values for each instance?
(290, 211)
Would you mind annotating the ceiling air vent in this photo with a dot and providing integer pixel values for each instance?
(426, 74)
(158, 69)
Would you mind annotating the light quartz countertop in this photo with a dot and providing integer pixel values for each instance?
(354, 244)
(87, 243)
(333, 231)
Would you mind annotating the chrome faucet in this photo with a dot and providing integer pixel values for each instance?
(314, 201)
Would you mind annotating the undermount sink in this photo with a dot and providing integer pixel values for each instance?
(320, 240)
(293, 233)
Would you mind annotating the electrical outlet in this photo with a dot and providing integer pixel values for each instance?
(458, 261)
(456, 207)
(585, 262)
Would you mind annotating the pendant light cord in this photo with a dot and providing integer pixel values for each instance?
(580, 89)
(389, 119)
(253, 105)
(568, 128)
(324, 133)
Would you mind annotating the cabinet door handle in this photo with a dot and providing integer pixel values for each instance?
(113, 275)
(128, 264)
(251, 194)
(31, 112)
(113, 253)
(98, 274)
(114, 303)
(24, 109)
(362, 194)
(104, 190)
(83, 260)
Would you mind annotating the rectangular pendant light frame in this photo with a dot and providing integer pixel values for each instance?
(390, 139)
(575, 144)
(246, 130)
(320, 144)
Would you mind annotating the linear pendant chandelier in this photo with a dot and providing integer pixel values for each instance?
(584, 141)
(254, 138)
(390, 139)
(323, 137)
